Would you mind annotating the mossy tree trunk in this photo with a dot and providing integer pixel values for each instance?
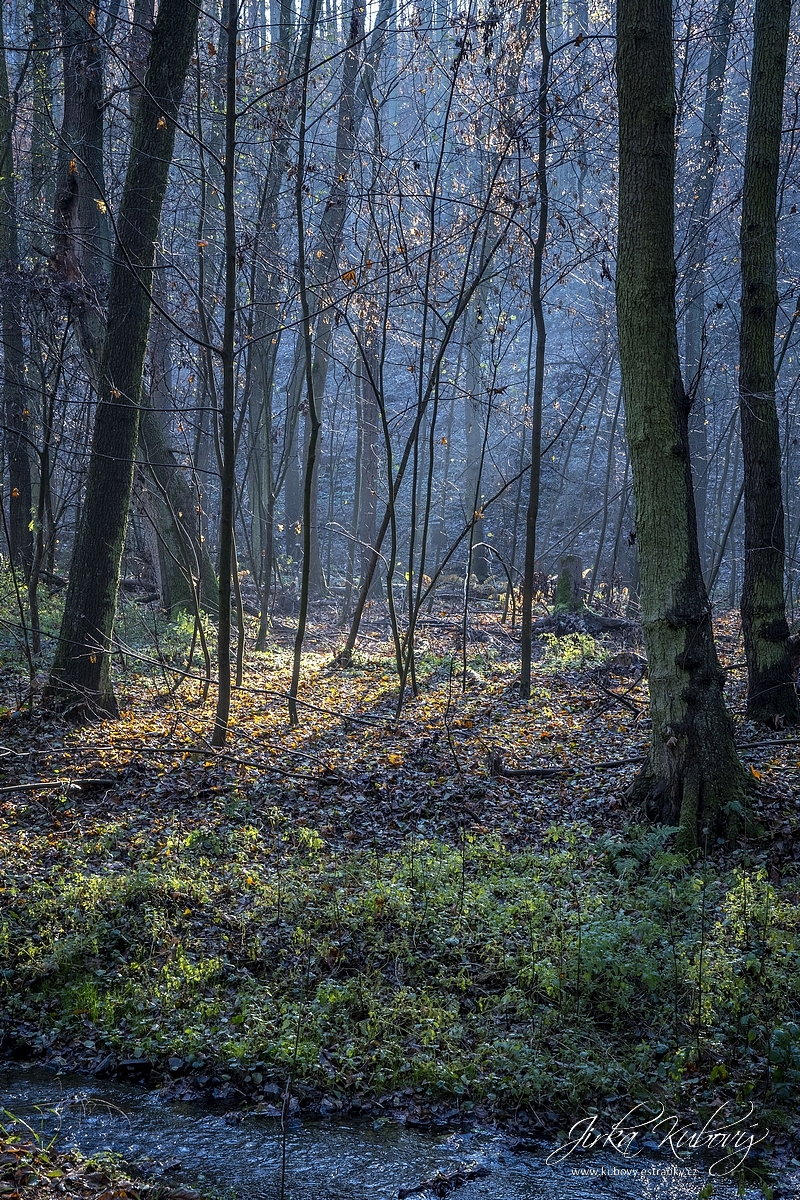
(770, 694)
(82, 661)
(692, 775)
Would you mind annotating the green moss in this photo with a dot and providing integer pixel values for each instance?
(474, 972)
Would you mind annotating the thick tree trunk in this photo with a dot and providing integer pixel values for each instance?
(770, 694)
(569, 590)
(15, 404)
(692, 774)
(83, 655)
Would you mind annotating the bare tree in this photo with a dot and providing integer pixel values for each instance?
(771, 694)
(692, 775)
(83, 655)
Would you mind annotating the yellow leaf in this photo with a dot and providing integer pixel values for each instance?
(756, 774)
(187, 912)
(349, 277)
(161, 123)
(101, 205)
(395, 759)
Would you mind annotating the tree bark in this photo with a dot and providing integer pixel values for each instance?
(370, 452)
(172, 509)
(227, 546)
(475, 422)
(83, 247)
(537, 305)
(697, 251)
(41, 153)
(15, 405)
(83, 655)
(771, 694)
(692, 776)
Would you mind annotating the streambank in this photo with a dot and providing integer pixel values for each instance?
(190, 1147)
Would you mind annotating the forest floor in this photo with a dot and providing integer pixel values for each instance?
(356, 915)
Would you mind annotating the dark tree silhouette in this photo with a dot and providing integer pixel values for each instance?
(692, 771)
(82, 661)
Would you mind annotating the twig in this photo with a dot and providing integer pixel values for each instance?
(623, 700)
(774, 742)
(54, 783)
(618, 762)
(498, 769)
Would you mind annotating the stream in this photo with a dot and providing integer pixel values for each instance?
(325, 1159)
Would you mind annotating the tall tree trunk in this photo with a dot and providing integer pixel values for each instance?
(692, 775)
(323, 266)
(475, 422)
(305, 317)
(172, 509)
(41, 161)
(369, 372)
(138, 49)
(227, 545)
(696, 254)
(532, 511)
(83, 245)
(83, 655)
(770, 693)
(15, 404)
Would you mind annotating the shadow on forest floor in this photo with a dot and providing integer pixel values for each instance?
(358, 903)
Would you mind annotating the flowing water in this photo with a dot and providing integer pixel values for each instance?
(333, 1159)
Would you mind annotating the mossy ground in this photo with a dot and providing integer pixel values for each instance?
(358, 907)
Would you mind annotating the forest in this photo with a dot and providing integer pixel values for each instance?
(399, 586)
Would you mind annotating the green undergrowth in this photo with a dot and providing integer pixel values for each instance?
(595, 968)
